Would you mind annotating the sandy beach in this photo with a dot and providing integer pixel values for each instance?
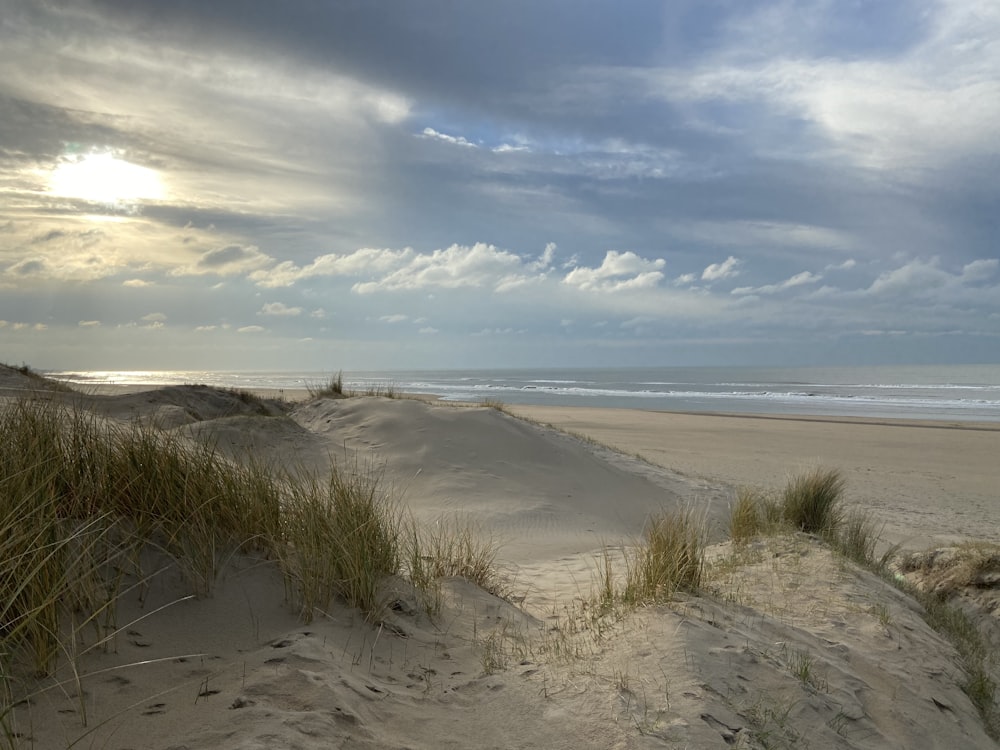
(930, 482)
(784, 645)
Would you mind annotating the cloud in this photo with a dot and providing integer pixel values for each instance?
(883, 111)
(845, 266)
(806, 277)
(980, 270)
(155, 317)
(453, 139)
(136, 283)
(428, 331)
(394, 318)
(366, 261)
(458, 266)
(455, 267)
(89, 324)
(754, 234)
(279, 309)
(251, 329)
(725, 270)
(226, 261)
(617, 272)
(920, 278)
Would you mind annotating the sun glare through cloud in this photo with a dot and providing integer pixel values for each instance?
(104, 178)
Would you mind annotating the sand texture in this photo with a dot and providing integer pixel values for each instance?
(785, 646)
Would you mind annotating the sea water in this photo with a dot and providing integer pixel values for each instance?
(935, 392)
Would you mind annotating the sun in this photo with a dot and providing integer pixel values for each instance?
(104, 178)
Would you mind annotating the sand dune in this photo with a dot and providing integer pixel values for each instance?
(786, 647)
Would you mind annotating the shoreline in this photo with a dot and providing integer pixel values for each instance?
(297, 395)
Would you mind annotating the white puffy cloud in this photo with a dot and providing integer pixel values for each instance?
(617, 272)
(251, 329)
(478, 265)
(396, 318)
(725, 270)
(457, 266)
(366, 261)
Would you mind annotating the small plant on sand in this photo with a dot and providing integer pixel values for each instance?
(333, 388)
(811, 501)
(755, 512)
(452, 547)
(857, 537)
(670, 558)
(493, 655)
(381, 390)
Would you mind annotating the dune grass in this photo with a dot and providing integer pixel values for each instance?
(452, 547)
(813, 503)
(340, 537)
(39, 380)
(82, 498)
(668, 558)
(332, 388)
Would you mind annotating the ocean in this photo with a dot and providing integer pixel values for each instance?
(932, 392)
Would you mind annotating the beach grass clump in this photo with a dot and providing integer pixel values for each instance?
(812, 501)
(381, 390)
(754, 513)
(495, 403)
(332, 388)
(856, 538)
(80, 497)
(670, 558)
(453, 547)
(340, 537)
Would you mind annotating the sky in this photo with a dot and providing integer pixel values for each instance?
(364, 184)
